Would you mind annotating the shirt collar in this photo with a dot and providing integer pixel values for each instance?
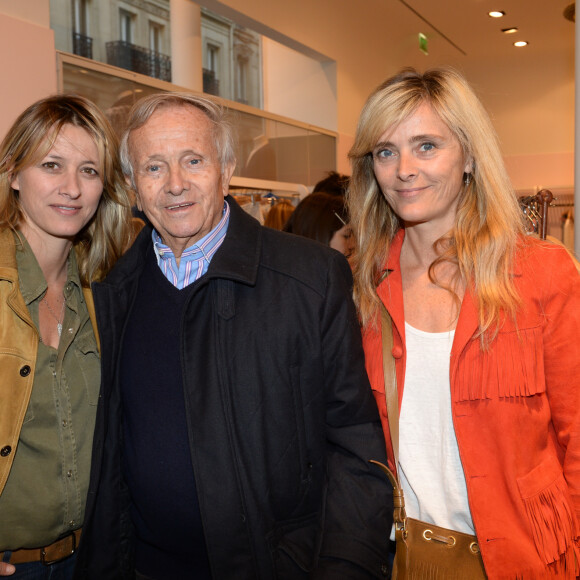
(32, 282)
(202, 249)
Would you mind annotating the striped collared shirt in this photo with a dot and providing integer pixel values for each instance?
(194, 260)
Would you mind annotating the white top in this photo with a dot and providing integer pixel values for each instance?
(430, 469)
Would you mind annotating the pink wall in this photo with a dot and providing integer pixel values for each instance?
(28, 66)
(548, 170)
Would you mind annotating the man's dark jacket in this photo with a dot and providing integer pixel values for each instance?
(281, 418)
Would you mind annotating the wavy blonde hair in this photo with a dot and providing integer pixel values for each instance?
(102, 241)
(488, 223)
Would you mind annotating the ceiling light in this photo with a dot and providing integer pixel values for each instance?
(521, 43)
(509, 30)
(496, 13)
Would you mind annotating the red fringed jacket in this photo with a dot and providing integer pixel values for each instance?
(516, 413)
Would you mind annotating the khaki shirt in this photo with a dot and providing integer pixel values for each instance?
(45, 493)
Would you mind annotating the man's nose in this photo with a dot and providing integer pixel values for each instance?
(177, 181)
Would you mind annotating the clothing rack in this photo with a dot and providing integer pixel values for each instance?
(535, 209)
(559, 218)
(292, 191)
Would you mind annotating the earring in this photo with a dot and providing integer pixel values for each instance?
(467, 178)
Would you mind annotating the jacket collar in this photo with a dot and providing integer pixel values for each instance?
(237, 259)
(239, 256)
(9, 273)
(8, 267)
(390, 291)
(390, 288)
(395, 251)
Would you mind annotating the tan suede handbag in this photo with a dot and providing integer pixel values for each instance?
(424, 551)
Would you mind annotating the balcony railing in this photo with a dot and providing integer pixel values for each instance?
(139, 59)
(82, 45)
(211, 85)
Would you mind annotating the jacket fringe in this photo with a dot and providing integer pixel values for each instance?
(553, 523)
(428, 571)
(513, 367)
(563, 569)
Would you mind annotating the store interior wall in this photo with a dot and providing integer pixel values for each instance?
(537, 134)
(299, 87)
(28, 57)
(366, 42)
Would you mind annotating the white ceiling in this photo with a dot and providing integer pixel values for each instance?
(528, 91)
(514, 83)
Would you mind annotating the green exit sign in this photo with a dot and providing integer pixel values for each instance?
(423, 42)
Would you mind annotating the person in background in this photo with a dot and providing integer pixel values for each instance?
(324, 218)
(237, 422)
(278, 214)
(64, 221)
(485, 328)
(334, 184)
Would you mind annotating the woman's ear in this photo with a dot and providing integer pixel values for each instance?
(469, 165)
(14, 181)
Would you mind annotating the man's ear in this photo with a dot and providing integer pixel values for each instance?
(227, 173)
(134, 190)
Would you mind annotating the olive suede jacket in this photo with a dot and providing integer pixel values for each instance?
(18, 348)
(516, 413)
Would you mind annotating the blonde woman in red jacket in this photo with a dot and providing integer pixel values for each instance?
(486, 328)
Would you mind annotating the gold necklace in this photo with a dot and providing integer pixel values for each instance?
(58, 320)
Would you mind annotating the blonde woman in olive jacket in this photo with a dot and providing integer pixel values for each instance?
(64, 221)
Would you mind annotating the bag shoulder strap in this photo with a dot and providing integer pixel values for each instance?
(392, 399)
(390, 378)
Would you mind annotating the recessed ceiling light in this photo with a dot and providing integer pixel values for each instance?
(509, 30)
(496, 13)
(521, 43)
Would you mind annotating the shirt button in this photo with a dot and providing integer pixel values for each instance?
(64, 423)
(5, 451)
(69, 473)
(397, 351)
(70, 330)
(25, 371)
(71, 524)
(69, 287)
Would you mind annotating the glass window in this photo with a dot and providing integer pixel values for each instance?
(241, 80)
(211, 82)
(81, 16)
(130, 34)
(271, 149)
(232, 57)
(155, 35)
(81, 39)
(126, 26)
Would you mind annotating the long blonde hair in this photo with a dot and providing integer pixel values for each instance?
(488, 222)
(101, 242)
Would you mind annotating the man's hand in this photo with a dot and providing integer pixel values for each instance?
(6, 569)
